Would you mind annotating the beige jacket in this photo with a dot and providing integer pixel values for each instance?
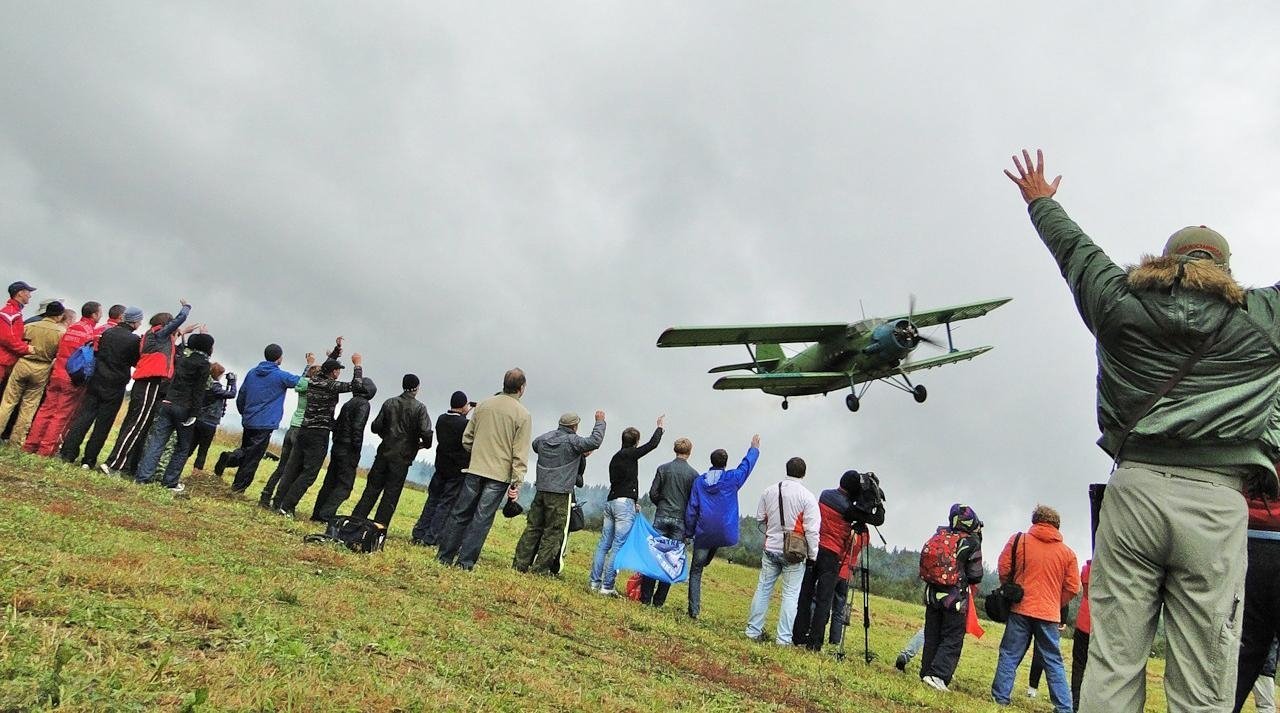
(497, 437)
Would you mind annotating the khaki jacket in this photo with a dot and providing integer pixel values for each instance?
(498, 436)
(43, 337)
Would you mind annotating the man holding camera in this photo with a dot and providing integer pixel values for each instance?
(846, 511)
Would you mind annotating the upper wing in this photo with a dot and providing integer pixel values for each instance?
(801, 379)
(952, 314)
(749, 334)
(953, 357)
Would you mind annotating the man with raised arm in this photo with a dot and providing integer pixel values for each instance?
(1188, 380)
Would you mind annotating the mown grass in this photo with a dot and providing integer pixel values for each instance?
(120, 597)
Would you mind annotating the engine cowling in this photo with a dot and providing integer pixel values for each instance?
(891, 342)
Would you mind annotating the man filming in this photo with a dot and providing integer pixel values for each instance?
(846, 511)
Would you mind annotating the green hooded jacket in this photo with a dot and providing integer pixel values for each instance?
(1148, 320)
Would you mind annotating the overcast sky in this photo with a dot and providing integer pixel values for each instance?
(463, 189)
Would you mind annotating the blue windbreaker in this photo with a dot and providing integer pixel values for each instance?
(712, 515)
(261, 398)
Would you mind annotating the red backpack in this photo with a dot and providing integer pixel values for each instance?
(938, 563)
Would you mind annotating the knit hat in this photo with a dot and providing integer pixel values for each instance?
(133, 315)
(201, 343)
(1200, 239)
(329, 365)
(410, 381)
(458, 400)
(851, 483)
(569, 419)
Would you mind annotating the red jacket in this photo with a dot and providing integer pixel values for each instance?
(155, 356)
(1264, 514)
(1083, 622)
(76, 336)
(1046, 570)
(12, 346)
(851, 556)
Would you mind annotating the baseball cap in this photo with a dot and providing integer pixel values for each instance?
(1199, 239)
(19, 286)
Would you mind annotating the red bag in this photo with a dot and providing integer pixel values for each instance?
(633, 587)
(938, 563)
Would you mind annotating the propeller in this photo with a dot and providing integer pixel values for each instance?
(909, 333)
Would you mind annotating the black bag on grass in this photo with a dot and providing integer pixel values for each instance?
(355, 533)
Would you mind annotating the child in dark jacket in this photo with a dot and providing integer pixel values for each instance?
(215, 407)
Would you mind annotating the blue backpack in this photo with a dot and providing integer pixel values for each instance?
(80, 364)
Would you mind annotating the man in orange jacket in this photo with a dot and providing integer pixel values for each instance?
(1049, 577)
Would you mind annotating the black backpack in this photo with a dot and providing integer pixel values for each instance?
(355, 533)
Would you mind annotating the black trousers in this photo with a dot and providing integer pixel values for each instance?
(386, 478)
(144, 398)
(1037, 666)
(305, 461)
(1261, 614)
(245, 459)
(442, 492)
(817, 591)
(943, 642)
(651, 590)
(286, 451)
(96, 411)
(204, 433)
(1079, 660)
(339, 479)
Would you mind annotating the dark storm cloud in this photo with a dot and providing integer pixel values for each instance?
(461, 190)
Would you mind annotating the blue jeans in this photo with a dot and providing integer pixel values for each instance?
(478, 501)
(701, 558)
(1018, 633)
(619, 514)
(168, 419)
(773, 568)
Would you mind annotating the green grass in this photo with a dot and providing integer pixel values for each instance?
(123, 597)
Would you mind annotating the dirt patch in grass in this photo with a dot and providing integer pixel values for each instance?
(63, 508)
(776, 688)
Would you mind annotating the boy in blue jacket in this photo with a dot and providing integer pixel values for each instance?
(711, 518)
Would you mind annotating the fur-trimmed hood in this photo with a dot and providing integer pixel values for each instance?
(1162, 273)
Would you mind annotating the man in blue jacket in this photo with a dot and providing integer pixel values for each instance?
(261, 406)
(711, 517)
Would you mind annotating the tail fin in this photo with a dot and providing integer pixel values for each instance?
(769, 356)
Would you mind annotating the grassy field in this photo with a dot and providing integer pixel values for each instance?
(120, 597)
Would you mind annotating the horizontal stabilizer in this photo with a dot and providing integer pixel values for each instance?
(800, 379)
(749, 334)
(953, 314)
(765, 365)
(953, 357)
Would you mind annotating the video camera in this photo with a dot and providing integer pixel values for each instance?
(870, 492)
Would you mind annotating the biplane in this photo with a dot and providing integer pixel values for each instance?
(839, 355)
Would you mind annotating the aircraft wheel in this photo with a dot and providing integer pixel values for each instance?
(851, 402)
(920, 393)
(785, 405)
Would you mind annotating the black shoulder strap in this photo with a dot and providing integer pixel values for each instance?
(1013, 561)
(1168, 385)
(782, 514)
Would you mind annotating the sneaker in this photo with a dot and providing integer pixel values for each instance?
(105, 469)
(610, 592)
(595, 587)
(758, 638)
(936, 683)
(85, 466)
(901, 663)
(1032, 692)
(221, 465)
(178, 488)
(284, 513)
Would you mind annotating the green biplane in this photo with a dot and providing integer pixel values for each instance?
(840, 355)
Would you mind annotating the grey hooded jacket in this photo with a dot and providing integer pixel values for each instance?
(559, 456)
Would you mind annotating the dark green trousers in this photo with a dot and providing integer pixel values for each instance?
(542, 543)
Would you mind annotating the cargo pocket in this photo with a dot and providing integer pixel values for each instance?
(1222, 649)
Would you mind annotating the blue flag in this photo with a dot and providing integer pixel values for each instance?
(646, 551)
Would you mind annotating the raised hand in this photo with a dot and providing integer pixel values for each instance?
(357, 359)
(311, 359)
(662, 419)
(182, 302)
(599, 415)
(1030, 179)
(755, 441)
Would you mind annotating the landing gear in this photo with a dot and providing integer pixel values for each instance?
(851, 402)
(919, 393)
(785, 405)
